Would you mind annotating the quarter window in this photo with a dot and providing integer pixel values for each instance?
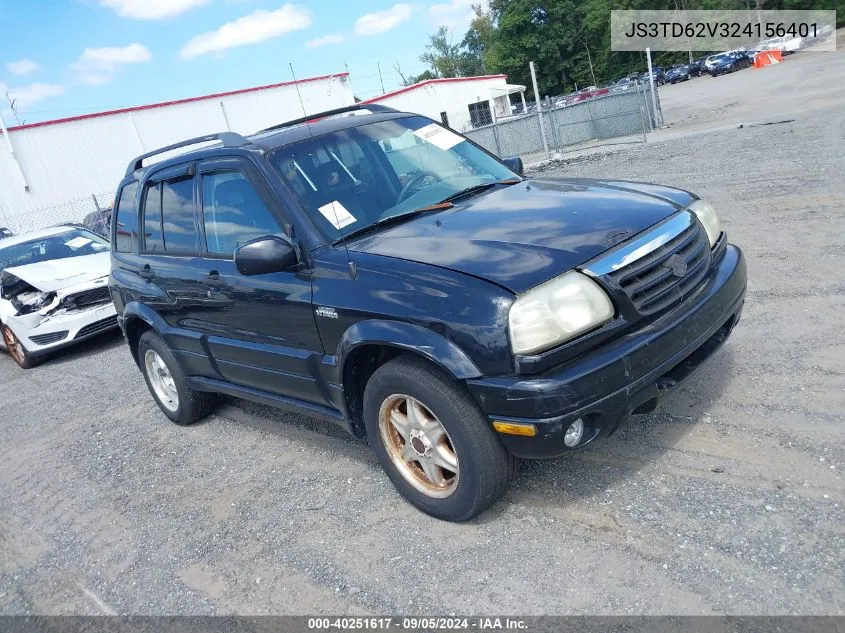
(233, 213)
(126, 220)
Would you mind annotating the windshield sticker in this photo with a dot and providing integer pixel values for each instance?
(438, 136)
(337, 214)
(78, 242)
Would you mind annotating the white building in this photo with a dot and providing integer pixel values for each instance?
(58, 165)
(467, 101)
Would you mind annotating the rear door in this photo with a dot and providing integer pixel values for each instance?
(261, 329)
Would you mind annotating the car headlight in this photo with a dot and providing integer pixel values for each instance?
(557, 311)
(709, 220)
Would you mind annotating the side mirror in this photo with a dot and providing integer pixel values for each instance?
(514, 163)
(270, 254)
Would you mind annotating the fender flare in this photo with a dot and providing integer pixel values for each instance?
(138, 310)
(409, 337)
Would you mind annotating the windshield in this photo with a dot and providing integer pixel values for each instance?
(71, 243)
(355, 177)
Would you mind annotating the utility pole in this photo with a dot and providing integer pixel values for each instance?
(539, 108)
(378, 65)
(590, 60)
(13, 108)
(657, 120)
(12, 153)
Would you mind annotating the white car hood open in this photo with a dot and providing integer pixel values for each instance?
(58, 274)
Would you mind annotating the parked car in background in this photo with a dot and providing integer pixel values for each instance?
(53, 291)
(697, 67)
(728, 62)
(657, 73)
(407, 294)
(679, 72)
(786, 45)
(710, 60)
(4, 232)
(626, 82)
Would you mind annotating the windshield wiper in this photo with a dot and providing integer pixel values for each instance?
(395, 219)
(471, 191)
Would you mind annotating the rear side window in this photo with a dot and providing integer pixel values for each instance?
(126, 221)
(177, 211)
(233, 212)
(153, 238)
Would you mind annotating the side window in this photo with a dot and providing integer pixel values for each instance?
(153, 238)
(126, 220)
(177, 211)
(233, 212)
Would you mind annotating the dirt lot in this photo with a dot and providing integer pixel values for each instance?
(728, 499)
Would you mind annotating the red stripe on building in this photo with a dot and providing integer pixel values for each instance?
(150, 106)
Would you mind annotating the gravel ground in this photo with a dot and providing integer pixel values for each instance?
(728, 499)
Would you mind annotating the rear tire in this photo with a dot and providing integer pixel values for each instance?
(168, 384)
(16, 349)
(436, 446)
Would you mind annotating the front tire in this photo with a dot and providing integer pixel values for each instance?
(435, 445)
(168, 384)
(16, 349)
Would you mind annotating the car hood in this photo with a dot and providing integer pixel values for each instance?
(58, 274)
(522, 235)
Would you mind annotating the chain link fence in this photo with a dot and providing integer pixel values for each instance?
(626, 115)
(93, 212)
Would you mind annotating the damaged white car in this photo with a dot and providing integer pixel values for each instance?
(53, 291)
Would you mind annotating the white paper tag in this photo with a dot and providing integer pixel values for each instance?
(337, 214)
(78, 242)
(438, 136)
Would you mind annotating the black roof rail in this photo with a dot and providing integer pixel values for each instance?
(229, 139)
(372, 107)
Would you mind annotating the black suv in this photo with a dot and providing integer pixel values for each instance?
(383, 272)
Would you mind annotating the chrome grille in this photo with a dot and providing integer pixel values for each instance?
(664, 276)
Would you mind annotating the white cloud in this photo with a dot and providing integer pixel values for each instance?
(455, 15)
(324, 40)
(22, 67)
(33, 93)
(381, 21)
(250, 29)
(151, 9)
(98, 66)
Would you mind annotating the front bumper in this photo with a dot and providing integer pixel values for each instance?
(625, 376)
(41, 335)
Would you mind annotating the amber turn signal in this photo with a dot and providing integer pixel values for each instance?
(512, 428)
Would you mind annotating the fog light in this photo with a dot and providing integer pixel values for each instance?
(574, 433)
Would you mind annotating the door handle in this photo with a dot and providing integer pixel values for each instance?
(146, 272)
(214, 279)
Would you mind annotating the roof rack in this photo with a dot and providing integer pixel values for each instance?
(229, 139)
(372, 107)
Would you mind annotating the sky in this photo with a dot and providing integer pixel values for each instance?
(62, 58)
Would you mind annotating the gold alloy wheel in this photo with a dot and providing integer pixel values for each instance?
(14, 346)
(418, 445)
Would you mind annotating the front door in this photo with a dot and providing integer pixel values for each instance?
(260, 329)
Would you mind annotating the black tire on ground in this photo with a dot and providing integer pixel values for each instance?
(485, 467)
(16, 349)
(193, 406)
